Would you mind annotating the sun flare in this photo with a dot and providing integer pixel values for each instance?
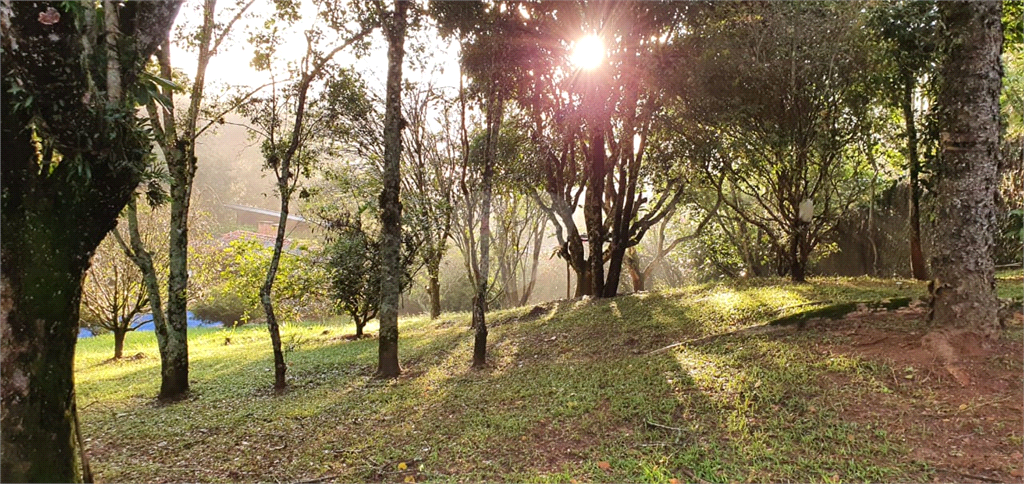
(588, 52)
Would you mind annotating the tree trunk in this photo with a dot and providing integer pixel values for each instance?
(493, 116)
(592, 211)
(584, 286)
(636, 275)
(268, 284)
(390, 206)
(963, 272)
(434, 291)
(359, 328)
(37, 382)
(611, 284)
(917, 264)
(119, 343)
(169, 349)
(797, 262)
(54, 218)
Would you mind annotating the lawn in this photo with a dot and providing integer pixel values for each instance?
(573, 393)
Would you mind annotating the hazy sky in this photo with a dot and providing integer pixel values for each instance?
(231, 65)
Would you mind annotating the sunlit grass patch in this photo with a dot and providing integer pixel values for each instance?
(572, 392)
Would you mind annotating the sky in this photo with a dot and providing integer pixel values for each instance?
(231, 66)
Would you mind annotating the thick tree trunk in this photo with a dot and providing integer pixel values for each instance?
(611, 284)
(53, 218)
(636, 275)
(119, 343)
(797, 263)
(584, 286)
(39, 442)
(963, 272)
(593, 209)
(917, 264)
(390, 206)
(434, 291)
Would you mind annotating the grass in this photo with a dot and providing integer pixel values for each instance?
(571, 395)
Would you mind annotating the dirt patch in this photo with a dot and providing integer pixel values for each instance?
(535, 313)
(957, 397)
(352, 337)
(126, 359)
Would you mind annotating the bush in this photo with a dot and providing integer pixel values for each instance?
(239, 270)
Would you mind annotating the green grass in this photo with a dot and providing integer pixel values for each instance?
(564, 392)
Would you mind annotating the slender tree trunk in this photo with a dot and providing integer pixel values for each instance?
(359, 328)
(963, 272)
(917, 264)
(144, 260)
(391, 207)
(434, 291)
(268, 283)
(537, 241)
(494, 117)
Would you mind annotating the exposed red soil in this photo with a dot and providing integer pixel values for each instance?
(958, 398)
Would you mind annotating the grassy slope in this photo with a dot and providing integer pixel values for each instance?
(568, 395)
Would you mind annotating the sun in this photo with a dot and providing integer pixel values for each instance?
(588, 52)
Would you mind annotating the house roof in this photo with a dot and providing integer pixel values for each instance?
(260, 211)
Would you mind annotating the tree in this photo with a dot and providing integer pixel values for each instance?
(429, 182)
(73, 153)
(353, 258)
(394, 24)
(292, 144)
(774, 101)
(965, 180)
(519, 233)
(176, 138)
(909, 45)
(114, 291)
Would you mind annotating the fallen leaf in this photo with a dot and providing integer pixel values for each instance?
(604, 465)
(410, 479)
(963, 406)
(673, 481)
(402, 466)
(573, 481)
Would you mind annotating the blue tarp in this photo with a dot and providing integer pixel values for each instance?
(193, 322)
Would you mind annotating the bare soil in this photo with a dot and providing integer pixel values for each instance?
(958, 398)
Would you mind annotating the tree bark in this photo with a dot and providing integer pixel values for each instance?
(493, 115)
(917, 264)
(593, 211)
(390, 206)
(119, 343)
(268, 284)
(797, 262)
(963, 272)
(54, 218)
(136, 251)
(434, 291)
